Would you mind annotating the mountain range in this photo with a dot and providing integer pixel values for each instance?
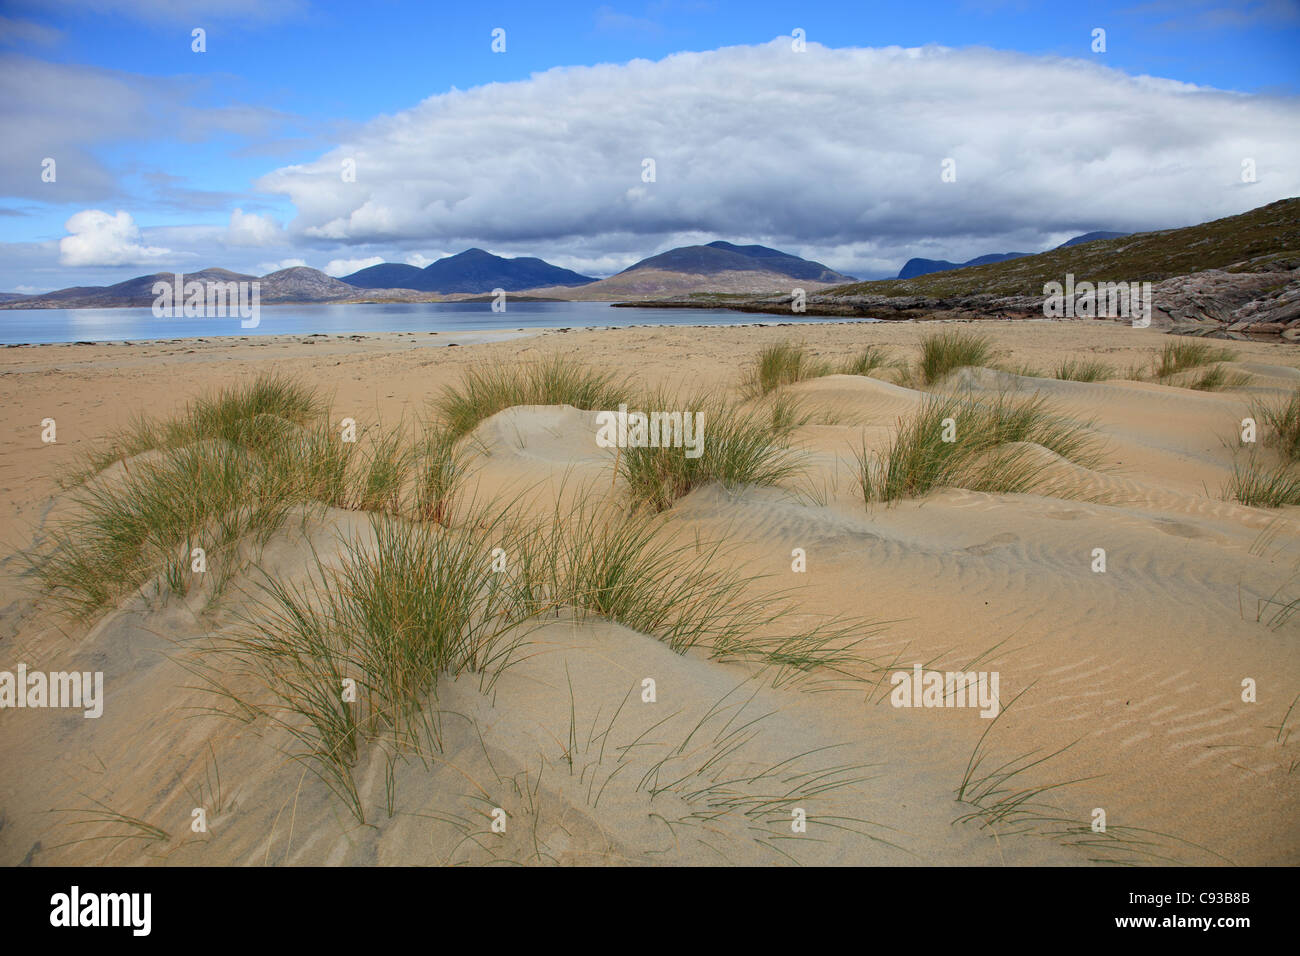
(299, 284)
(1235, 277)
(473, 270)
(919, 267)
(717, 266)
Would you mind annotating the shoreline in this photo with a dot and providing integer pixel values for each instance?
(282, 338)
(14, 306)
(479, 335)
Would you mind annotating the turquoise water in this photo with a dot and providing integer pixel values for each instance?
(33, 326)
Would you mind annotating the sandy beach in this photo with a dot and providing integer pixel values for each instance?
(1128, 680)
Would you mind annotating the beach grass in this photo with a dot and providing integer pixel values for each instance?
(1270, 479)
(1178, 357)
(441, 463)
(385, 462)
(787, 363)
(1216, 378)
(209, 477)
(125, 827)
(407, 604)
(872, 358)
(785, 412)
(252, 415)
(424, 595)
(741, 446)
(977, 444)
(782, 364)
(558, 380)
(1263, 485)
(942, 353)
(150, 518)
(314, 465)
(1280, 421)
(1082, 370)
(413, 602)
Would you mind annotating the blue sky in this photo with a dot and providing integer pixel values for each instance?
(181, 139)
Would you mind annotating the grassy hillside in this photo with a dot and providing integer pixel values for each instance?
(1266, 234)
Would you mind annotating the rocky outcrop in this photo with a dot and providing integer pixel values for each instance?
(1232, 303)
(882, 307)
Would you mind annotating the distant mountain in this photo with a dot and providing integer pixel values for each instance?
(919, 267)
(470, 271)
(299, 284)
(1266, 239)
(717, 257)
(132, 292)
(302, 284)
(1093, 237)
(717, 267)
(386, 275)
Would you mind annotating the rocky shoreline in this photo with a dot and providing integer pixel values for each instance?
(1239, 302)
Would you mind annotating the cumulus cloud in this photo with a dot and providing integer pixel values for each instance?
(345, 267)
(251, 229)
(97, 239)
(266, 268)
(829, 149)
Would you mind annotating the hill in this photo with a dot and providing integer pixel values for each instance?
(1092, 237)
(473, 270)
(919, 267)
(1246, 242)
(714, 267)
(719, 257)
(299, 284)
(1234, 277)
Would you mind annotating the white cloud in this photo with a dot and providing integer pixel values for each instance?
(418, 260)
(251, 229)
(345, 267)
(266, 268)
(69, 112)
(98, 239)
(827, 150)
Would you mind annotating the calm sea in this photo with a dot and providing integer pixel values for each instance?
(32, 326)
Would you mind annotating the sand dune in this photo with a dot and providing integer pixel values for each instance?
(1131, 678)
